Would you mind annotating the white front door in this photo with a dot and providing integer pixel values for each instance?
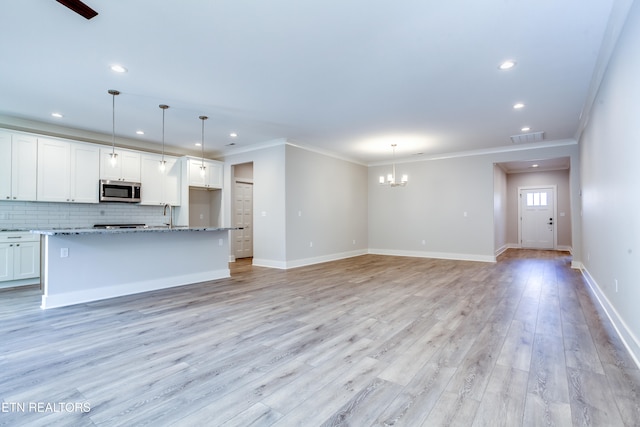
(537, 218)
(243, 207)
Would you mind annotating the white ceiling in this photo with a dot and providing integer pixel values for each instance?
(350, 77)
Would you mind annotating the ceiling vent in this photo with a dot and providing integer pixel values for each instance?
(527, 137)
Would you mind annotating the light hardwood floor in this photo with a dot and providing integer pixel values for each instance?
(371, 340)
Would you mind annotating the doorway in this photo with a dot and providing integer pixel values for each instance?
(243, 209)
(242, 201)
(537, 212)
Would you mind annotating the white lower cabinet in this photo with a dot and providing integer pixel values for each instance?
(19, 258)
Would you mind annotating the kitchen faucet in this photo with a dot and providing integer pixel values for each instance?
(164, 213)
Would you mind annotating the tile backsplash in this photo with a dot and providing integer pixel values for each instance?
(28, 215)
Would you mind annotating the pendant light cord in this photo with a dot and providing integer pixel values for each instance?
(162, 134)
(203, 118)
(113, 123)
(113, 94)
(163, 107)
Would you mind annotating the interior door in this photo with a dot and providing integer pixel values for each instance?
(537, 218)
(243, 218)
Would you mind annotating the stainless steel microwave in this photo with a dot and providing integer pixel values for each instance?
(119, 191)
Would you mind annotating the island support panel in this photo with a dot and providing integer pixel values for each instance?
(89, 267)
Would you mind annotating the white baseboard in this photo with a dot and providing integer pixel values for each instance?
(577, 265)
(437, 255)
(284, 265)
(96, 294)
(500, 250)
(629, 340)
(270, 263)
(325, 258)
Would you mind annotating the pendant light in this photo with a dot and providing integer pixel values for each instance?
(202, 167)
(163, 163)
(391, 178)
(114, 156)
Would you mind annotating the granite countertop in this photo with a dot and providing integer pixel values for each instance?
(149, 229)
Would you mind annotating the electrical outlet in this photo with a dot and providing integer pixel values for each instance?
(354, 241)
(64, 252)
(616, 280)
(220, 242)
(310, 244)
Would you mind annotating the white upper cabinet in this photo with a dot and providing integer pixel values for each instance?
(85, 176)
(53, 170)
(126, 168)
(159, 187)
(18, 166)
(212, 176)
(5, 165)
(67, 171)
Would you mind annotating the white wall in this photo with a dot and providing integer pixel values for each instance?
(243, 171)
(431, 207)
(610, 151)
(269, 216)
(558, 178)
(326, 207)
(427, 217)
(305, 197)
(500, 200)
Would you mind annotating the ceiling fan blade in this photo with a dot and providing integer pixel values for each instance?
(79, 7)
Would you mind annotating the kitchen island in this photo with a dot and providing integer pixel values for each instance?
(87, 264)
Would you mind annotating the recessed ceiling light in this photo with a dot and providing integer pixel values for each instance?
(139, 132)
(118, 68)
(56, 115)
(233, 134)
(525, 129)
(506, 65)
(535, 165)
(518, 106)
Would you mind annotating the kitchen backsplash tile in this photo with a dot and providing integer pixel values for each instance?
(15, 214)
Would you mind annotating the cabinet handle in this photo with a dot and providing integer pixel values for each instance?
(14, 237)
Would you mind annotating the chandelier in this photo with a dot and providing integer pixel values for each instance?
(390, 180)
